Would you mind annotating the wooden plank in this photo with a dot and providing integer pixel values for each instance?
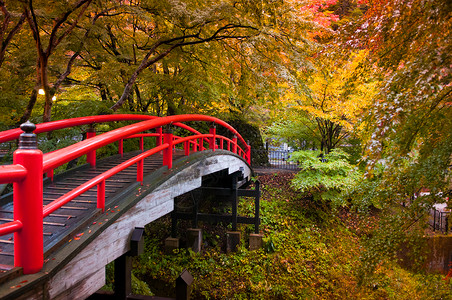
(83, 288)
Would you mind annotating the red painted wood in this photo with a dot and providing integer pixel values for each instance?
(29, 166)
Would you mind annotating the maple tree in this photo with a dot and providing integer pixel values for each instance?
(7, 32)
(235, 49)
(331, 99)
(410, 49)
(408, 132)
(161, 57)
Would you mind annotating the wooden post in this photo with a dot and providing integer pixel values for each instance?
(168, 152)
(183, 286)
(212, 139)
(121, 147)
(101, 195)
(91, 156)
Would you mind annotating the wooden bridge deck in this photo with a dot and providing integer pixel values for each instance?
(63, 225)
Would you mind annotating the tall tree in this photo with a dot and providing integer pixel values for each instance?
(331, 99)
(411, 49)
(60, 27)
(7, 33)
(187, 55)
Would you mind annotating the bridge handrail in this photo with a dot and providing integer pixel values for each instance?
(62, 156)
(181, 140)
(30, 163)
(13, 134)
(62, 200)
(12, 173)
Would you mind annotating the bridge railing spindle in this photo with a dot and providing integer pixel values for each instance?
(142, 144)
(121, 147)
(91, 156)
(213, 132)
(248, 152)
(168, 152)
(140, 171)
(158, 139)
(234, 144)
(187, 148)
(101, 195)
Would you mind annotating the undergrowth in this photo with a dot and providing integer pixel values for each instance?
(309, 252)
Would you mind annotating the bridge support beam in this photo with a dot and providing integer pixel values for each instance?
(171, 244)
(236, 181)
(123, 277)
(194, 239)
(232, 241)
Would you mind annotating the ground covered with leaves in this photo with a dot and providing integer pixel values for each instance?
(310, 252)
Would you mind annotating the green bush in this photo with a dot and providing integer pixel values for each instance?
(325, 176)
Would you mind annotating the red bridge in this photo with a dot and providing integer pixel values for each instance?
(57, 233)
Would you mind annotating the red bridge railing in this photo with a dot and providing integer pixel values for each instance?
(29, 165)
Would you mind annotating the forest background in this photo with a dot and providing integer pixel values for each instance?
(367, 82)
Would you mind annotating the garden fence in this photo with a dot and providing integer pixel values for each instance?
(439, 220)
(273, 159)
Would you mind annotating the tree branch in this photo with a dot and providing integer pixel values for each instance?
(175, 43)
(5, 42)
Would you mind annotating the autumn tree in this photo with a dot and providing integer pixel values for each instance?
(10, 26)
(410, 44)
(409, 128)
(190, 53)
(49, 31)
(164, 57)
(329, 102)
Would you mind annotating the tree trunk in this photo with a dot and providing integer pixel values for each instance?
(31, 103)
(47, 115)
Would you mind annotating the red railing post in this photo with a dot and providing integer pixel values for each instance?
(195, 146)
(212, 131)
(142, 144)
(140, 167)
(28, 242)
(158, 139)
(168, 152)
(187, 148)
(221, 144)
(248, 153)
(121, 147)
(50, 175)
(91, 156)
(101, 195)
(234, 144)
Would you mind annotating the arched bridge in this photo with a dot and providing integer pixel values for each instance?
(57, 232)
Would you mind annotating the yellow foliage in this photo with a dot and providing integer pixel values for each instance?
(336, 93)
